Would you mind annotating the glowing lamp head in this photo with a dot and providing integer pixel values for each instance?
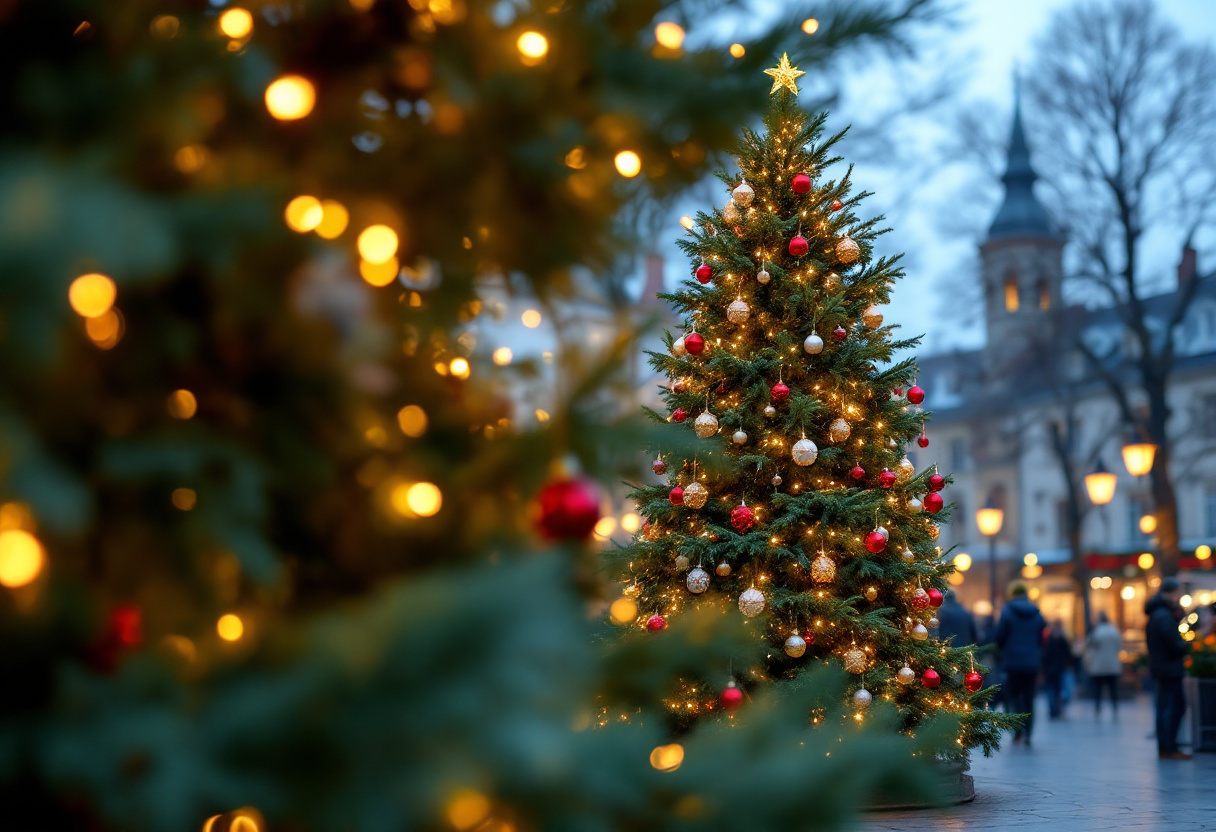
(1138, 456)
(989, 519)
(1100, 485)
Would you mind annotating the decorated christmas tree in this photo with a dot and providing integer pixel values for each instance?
(795, 505)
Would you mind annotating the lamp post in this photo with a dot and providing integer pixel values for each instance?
(989, 520)
(1138, 455)
(1100, 484)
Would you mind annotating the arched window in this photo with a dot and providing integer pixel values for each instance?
(1011, 292)
(1044, 295)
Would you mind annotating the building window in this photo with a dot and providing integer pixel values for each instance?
(1208, 415)
(1209, 510)
(1044, 295)
(1011, 293)
(1137, 507)
(1063, 511)
(958, 453)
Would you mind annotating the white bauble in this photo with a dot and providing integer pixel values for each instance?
(731, 213)
(862, 698)
(677, 347)
(838, 431)
(706, 425)
(763, 276)
(737, 312)
(907, 555)
(813, 344)
(743, 194)
(739, 438)
(777, 480)
(905, 676)
(872, 316)
(805, 452)
(697, 581)
(751, 602)
(915, 506)
(770, 411)
(919, 632)
(681, 562)
(795, 646)
(934, 623)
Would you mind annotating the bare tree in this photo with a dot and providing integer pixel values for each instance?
(1125, 115)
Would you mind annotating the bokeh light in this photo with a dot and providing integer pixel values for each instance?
(379, 274)
(467, 808)
(21, 557)
(1148, 523)
(532, 46)
(412, 420)
(304, 213)
(334, 219)
(669, 35)
(91, 295)
(1127, 593)
(1145, 561)
(737, 50)
(424, 499)
(230, 627)
(1030, 559)
(182, 404)
(503, 356)
(628, 163)
(962, 562)
(165, 26)
(184, 499)
(105, 331)
(687, 222)
(290, 97)
(191, 158)
(377, 243)
(530, 318)
(459, 367)
(623, 611)
(1203, 552)
(810, 26)
(605, 526)
(667, 757)
(236, 23)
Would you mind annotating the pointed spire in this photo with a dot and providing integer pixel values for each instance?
(1021, 214)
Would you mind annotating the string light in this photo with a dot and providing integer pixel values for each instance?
(290, 97)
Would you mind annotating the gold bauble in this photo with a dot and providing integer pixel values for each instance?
(854, 660)
(695, 495)
(838, 431)
(723, 569)
(743, 194)
(906, 675)
(872, 317)
(934, 531)
(919, 632)
(751, 602)
(823, 570)
(706, 425)
(737, 312)
(731, 213)
(903, 473)
(847, 250)
(871, 593)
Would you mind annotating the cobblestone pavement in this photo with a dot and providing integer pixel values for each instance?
(1080, 774)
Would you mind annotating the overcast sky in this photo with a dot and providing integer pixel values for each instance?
(921, 194)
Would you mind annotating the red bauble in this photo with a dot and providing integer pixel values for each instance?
(937, 482)
(799, 246)
(679, 414)
(935, 598)
(568, 509)
(915, 394)
(659, 466)
(837, 204)
(676, 496)
(858, 472)
(732, 697)
(887, 478)
(656, 623)
(126, 625)
(973, 681)
(722, 389)
(920, 600)
(704, 273)
(694, 343)
(898, 391)
(840, 333)
(779, 392)
(876, 541)
(933, 502)
(930, 679)
(923, 441)
(808, 637)
(123, 631)
(801, 183)
(742, 518)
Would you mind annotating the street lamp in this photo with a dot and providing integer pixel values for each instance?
(1100, 484)
(989, 519)
(1138, 455)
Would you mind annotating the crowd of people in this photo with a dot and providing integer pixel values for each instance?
(1027, 648)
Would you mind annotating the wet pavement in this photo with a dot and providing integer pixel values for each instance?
(1081, 773)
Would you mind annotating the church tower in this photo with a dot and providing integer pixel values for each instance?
(1021, 258)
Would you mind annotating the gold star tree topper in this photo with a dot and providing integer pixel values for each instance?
(784, 75)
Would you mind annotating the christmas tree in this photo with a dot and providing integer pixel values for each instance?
(795, 505)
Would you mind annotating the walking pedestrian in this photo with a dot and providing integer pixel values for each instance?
(1102, 662)
(955, 622)
(1019, 635)
(1166, 651)
(1057, 661)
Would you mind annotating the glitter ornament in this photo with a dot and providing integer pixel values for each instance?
(656, 623)
(776, 480)
(805, 452)
(823, 569)
(732, 697)
(915, 506)
(906, 471)
(742, 518)
(937, 482)
(695, 495)
(920, 599)
(739, 437)
(678, 349)
(731, 213)
(915, 394)
(681, 563)
(934, 502)
(934, 623)
(836, 205)
(862, 698)
(876, 541)
(780, 392)
(936, 598)
(847, 250)
(887, 478)
(770, 411)
(919, 632)
(799, 246)
(659, 466)
(679, 414)
(858, 472)
(697, 581)
(795, 646)
(706, 425)
(930, 678)
(934, 531)
(801, 183)
(871, 593)
(872, 317)
(907, 555)
(723, 569)
(751, 602)
(704, 273)
(813, 345)
(763, 276)
(854, 660)
(905, 676)
(839, 333)
(743, 194)
(973, 681)
(832, 281)
(838, 431)
(882, 530)
(737, 312)
(694, 343)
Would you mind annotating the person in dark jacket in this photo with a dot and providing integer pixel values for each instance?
(1166, 652)
(1019, 635)
(955, 622)
(1057, 660)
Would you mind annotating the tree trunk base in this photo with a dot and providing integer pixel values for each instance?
(955, 787)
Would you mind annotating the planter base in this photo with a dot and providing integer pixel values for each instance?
(954, 785)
